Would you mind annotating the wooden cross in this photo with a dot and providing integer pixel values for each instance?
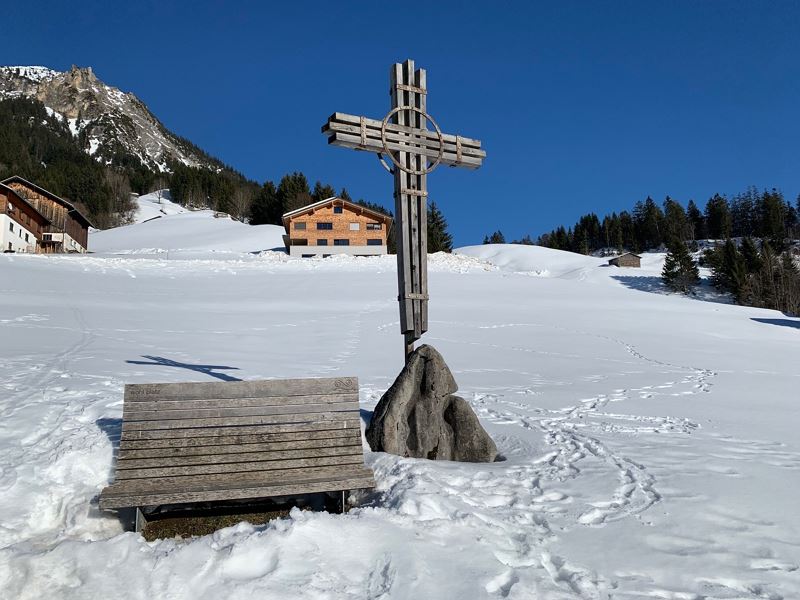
(414, 151)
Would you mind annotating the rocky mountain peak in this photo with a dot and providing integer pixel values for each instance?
(107, 121)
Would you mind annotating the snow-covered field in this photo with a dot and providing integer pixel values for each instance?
(650, 441)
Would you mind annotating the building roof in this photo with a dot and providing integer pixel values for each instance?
(625, 254)
(74, 211)
(352, 205)
(19, 197)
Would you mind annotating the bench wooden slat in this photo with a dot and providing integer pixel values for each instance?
(246, 438)
(188, 424)
(194, 403)
(236, 446)
(194, 482)
(230, 468)
(240, 389)
(244, 492)
(131, 415)
(231, 458)
(316, 425)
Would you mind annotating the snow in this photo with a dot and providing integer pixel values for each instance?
(34, 73)
(650, 440)
(164, 226)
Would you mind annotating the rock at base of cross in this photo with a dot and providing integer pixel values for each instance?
(420, 417)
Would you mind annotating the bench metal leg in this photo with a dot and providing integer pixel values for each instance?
(140, 520)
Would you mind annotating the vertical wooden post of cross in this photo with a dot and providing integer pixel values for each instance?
(411, 207)
(404, 138)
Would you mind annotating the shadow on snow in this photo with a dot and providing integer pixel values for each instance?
(204, 369)
(780, 322)
(649, 283)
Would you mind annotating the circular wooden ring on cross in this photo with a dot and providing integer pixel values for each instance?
(426, 116)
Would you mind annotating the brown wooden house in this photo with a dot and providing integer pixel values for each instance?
(67, 230)
(629, 259)
(21, 225)
(335, 226)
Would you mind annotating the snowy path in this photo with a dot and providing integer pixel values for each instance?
(649, 441)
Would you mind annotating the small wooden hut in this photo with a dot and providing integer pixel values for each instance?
(629, 259)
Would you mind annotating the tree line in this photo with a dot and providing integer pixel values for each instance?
(751, 271)
(648, 226)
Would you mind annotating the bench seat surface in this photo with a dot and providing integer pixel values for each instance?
(205, 442)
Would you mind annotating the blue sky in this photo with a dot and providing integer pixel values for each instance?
(581, 106)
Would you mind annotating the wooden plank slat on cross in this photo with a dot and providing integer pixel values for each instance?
(413, 151)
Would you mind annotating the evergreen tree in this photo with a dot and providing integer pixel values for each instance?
(265, 208)
(648, 220)
(790, 286)
(752, 260)
(743, 213)
(293, 192)
(676, 223)
(344, 195)
(525, 241)
(696, 220)
(628, 231)
(680, 272)
(322, 192)
(718, 218)
(772, 217)
(496, 238)
(439, 240)
(728, 268)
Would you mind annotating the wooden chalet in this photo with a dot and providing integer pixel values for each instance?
(629, 259)
(67, 229)
(335, 226)
(21, 225)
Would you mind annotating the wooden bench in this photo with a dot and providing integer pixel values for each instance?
(207, 442)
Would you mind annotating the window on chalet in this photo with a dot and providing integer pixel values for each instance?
(355, 226)
(324, 225)
(26, 237)
(300, 242)
(11, 227)
(374, 226)
(341, 242)
(375, 242)
(300, 226)
(337, 210)
(322, 242)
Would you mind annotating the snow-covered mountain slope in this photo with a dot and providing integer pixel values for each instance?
(156, 205)
(106, 120)
(650, 440)
(162, 226)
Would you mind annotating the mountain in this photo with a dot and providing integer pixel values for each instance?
(110, 125)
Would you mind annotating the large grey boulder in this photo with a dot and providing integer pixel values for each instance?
(420, 417)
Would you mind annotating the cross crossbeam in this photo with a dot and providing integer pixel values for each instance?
(413, 152)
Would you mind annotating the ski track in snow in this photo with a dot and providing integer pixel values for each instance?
(596, 467)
